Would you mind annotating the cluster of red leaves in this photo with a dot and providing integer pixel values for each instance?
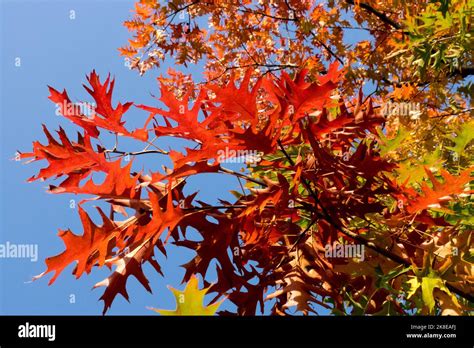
(272, 237)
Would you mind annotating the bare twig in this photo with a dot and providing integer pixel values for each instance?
(161, 152)
(243, 176)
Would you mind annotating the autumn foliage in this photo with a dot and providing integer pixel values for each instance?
(334, 167)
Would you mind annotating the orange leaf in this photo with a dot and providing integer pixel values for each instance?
(440, 192)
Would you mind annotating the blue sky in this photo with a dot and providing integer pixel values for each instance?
(59, 51)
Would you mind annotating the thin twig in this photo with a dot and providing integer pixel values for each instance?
(243, 176)
(161, 152)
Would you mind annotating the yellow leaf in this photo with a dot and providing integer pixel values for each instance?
(414, 285)
(190, 301)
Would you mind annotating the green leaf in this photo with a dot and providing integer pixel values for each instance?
(428, 284)
(413, 170)
(384, 279)
(357, 308)
(463, 138)
(388, 145)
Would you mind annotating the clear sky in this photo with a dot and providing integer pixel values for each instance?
(59, 51)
